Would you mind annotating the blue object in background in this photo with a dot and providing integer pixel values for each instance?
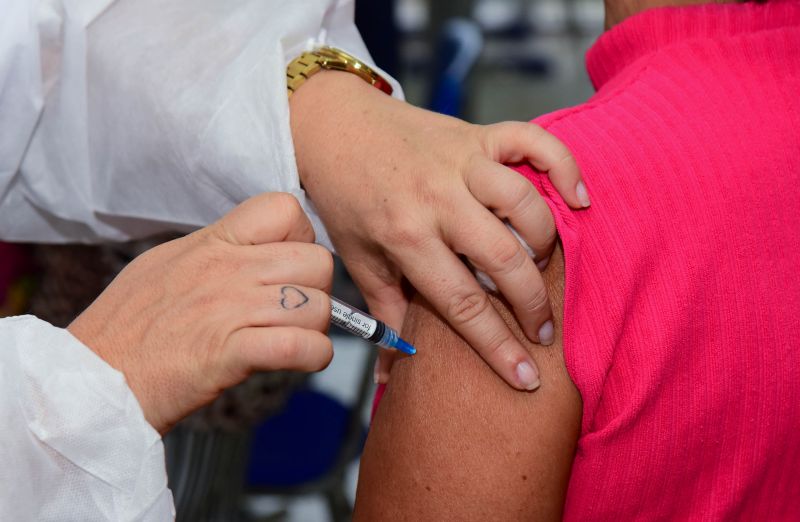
(308, 447)
(301, 444)
(459, 48)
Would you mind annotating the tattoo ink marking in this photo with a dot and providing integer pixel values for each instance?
(292, 298)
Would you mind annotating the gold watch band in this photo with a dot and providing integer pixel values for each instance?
(309, 63)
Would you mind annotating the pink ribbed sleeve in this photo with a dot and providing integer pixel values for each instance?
(682, 305)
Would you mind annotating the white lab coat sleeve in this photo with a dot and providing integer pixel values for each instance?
(121, 119)
(74, 444)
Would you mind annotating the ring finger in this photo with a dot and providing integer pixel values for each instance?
(284, 305)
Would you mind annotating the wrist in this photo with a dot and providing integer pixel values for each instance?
(111, 349)
(335, 101)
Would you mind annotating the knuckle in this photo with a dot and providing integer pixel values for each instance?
(566, 157)
(465, 308)
(514, 126)
(521, 194)
(515, 194)
(548, 234)
(316, 260)
(475, 165)
(324, 262)
(507, 257)
(288, 205)
(221, 230)
(537, 300)
(537, 135)
(283, 198)
(535, 131)
(473, 131)
(404, 234)
(488, 136)
(322, 316)
(216, 260)
(497, 343)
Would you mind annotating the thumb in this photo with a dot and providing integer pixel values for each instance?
(266, 218)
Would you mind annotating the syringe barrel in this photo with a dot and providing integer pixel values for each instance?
(356, 321)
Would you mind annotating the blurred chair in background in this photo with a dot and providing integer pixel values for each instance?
(307, 448)
(207, 454)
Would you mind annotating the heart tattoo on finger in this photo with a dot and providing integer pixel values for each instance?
(292, 298)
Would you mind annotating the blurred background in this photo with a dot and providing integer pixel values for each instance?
(284, 446)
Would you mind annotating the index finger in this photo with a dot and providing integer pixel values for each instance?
(515, 141)
(453, 291)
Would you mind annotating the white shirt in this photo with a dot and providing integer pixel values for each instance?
(118, 120)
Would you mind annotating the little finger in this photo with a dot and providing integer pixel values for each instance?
(279, 348)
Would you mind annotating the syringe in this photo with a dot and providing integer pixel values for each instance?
(359, 323)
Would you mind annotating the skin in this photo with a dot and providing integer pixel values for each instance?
(194, 316)
(413, 190)
(618, 10)
(197, 315)
(451, 442)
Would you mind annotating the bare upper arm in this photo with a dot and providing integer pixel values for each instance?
(451, 441)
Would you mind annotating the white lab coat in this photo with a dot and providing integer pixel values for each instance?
(74, 444)
(120, 119)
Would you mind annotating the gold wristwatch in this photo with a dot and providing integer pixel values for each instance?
(309, 63)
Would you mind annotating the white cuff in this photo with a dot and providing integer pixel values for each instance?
(75, 443)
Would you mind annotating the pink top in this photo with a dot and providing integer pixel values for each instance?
(682, 305)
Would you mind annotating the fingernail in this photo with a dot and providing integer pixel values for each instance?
(583, 196)
(375, 373)
(542, 263)
(546, 333)
(527, 376)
